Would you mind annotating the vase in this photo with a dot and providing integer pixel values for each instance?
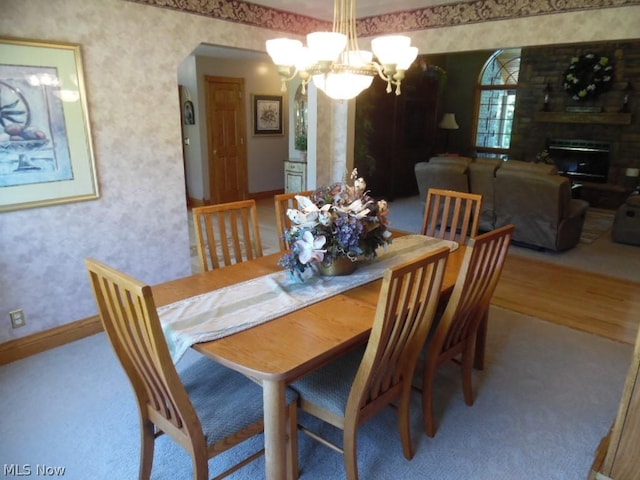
(339, 266)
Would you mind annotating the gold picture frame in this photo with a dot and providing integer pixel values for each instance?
(46, 152)
(267, 115)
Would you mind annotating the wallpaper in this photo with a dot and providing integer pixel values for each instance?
(131, 53)
(462, 13)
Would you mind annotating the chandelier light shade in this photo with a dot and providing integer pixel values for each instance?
(335, 64)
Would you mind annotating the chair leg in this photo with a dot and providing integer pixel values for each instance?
(428, 381)
(466, 370)
(292, 441)
(350, 452)
(200, 466)
(481, 340)
(405, 423)
(147, 443)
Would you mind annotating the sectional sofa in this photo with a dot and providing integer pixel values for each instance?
(532, 196)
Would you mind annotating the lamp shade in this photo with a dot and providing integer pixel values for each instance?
(406, 58)
(305, 59)
(387, 47)
(342, 86)
(326, 46)
(284, 51)
(448, 122)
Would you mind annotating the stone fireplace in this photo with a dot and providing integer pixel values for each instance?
(594, 141)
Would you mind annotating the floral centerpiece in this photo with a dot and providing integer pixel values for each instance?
(337, 221)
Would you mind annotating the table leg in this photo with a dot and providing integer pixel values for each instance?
(275, 426)
(481, 340)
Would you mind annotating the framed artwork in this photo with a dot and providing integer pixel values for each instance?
(189, 114)
(46, 153)
(267, 115)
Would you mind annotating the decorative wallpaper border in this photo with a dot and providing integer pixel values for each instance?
(403, 21)
(247, 13)
(476, 12)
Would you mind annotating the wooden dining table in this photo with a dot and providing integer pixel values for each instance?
(280, 351)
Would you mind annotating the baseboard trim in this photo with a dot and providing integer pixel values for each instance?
(39, 342)
(197, 202)
(263, 195)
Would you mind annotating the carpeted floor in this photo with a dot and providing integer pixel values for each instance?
(547, 396)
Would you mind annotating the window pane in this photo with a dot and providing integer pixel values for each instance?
(498, 82)
(495, 118)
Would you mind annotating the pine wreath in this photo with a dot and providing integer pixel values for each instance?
(587, 76)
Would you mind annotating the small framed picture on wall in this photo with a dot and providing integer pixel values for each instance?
(267, 115)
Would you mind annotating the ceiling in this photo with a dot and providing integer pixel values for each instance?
(323, 9)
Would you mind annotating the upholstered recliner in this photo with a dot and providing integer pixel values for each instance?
(447, 173)
(538, 202)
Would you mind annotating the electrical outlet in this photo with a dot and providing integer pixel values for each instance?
(17, 318)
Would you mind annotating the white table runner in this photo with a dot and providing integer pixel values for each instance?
(231, 309)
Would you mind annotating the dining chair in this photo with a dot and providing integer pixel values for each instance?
(451, 215)
(455, 332)
(350, 390)
(207, 408)
(227, 233)
(283, 202)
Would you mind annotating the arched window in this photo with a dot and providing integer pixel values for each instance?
(496, 100)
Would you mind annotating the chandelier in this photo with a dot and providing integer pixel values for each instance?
(335, 63)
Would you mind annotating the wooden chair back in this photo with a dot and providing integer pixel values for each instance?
(455, 332)
(405, 311)
(227, 233)
(451, 215)
(283, 202)
(130, 319)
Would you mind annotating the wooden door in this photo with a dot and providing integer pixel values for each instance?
(226, 137)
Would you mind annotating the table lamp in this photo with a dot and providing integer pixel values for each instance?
(448, 123)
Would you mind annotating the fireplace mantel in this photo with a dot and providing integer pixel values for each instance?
(584, 117)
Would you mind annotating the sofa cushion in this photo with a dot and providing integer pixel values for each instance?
(447, 173)
(463, 161)
(541, 168)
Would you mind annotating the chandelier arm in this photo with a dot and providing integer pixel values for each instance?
(383, 76)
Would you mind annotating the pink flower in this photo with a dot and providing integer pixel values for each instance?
(309, 248)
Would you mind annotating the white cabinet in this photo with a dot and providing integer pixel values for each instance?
(295, 176)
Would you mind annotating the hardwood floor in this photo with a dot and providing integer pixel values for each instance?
(598, 304)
